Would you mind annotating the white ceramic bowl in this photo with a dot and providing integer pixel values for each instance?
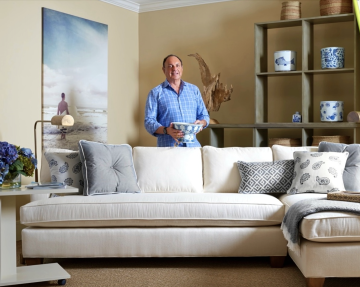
(189, 131)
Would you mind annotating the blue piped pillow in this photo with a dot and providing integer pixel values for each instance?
(351, 174)
(107, 168)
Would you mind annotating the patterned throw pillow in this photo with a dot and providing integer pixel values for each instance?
(318, 172)
(66, 168)
(266, 177)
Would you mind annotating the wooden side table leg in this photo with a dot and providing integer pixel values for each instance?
(277, 261)
(315, 282)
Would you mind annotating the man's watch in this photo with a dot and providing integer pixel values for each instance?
(165, 131)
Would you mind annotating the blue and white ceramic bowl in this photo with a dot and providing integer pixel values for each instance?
(285, 61)
(331, 111)
(332, 58)
(189, 131)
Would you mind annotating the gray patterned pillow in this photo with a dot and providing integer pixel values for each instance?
(66, 168)
(265, 177)
(318, 172)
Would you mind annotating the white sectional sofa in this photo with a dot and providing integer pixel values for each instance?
(190, 207)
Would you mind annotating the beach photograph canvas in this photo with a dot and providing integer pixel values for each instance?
(75, 79)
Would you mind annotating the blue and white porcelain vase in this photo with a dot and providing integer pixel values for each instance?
(285, 61)
(296, 118)
(332, 58)
(331, 111)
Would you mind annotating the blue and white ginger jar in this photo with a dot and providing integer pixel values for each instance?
(331, 111)
(332, 58)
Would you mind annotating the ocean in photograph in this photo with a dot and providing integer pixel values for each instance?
(90, 124)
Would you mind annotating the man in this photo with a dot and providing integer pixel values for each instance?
(174, 101)
(63, 110)
(63, 106)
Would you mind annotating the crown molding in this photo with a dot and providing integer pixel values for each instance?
(162, 5)
(129, 5)
(159, 5)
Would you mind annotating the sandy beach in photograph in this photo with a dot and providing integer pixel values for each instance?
(90, 124)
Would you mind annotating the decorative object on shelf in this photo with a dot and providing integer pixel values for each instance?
(356, 4)
(353, 117)
(332, 58)
(290, 10)
(214, 92)
(284, 142)
(285, 61)
(332, 139)
(64, 121)
(296, 118)
(331, 111)
(189, 131)
(333, 7)
(14, 162)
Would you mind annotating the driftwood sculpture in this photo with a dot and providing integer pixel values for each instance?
(214, 92)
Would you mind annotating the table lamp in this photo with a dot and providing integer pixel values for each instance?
(64, 120)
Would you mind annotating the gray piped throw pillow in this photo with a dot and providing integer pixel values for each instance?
(351, 175)
(107, 168)
(265, 177)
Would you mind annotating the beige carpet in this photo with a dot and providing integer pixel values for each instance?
(179, 272)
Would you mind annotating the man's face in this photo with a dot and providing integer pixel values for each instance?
(173, 69)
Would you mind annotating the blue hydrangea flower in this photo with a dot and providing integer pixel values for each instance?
(26, 152)
(8, 153)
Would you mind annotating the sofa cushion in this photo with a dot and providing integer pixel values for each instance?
(318, 172)
(266, 177)
(154, 209)
(351, 174)
(221, 173)
(66, 167)
(285, 152)
(325, 226)
(168, 169)
(107, 168)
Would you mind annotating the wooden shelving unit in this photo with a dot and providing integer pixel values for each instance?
(307, 72)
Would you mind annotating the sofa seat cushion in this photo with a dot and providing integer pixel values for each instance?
(325, 226)
(152, 209)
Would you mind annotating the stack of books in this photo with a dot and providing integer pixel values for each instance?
(353, 196)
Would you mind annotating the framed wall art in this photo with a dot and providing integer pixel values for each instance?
(74, 79)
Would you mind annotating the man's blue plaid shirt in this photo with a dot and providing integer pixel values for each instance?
(164, 106)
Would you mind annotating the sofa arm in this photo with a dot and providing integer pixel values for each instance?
(35, 197)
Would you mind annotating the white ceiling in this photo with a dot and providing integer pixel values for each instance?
(141, 6)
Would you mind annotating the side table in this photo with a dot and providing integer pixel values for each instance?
(9, 273)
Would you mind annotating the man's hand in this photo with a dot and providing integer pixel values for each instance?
(200, 122)
(174, 133)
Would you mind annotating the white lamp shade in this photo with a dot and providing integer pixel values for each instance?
(65, 120)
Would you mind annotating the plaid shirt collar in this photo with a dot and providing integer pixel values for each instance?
(166, 84)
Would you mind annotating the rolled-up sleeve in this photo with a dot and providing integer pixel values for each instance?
(151, 109)
(202, 113)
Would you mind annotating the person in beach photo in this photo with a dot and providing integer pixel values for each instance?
(174, 100)
(63, 110)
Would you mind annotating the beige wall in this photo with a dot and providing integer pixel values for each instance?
(223, 34)
(20, 69)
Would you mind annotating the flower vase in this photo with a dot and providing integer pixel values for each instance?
(9, 182)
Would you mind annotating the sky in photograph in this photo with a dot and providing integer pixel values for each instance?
(75, 60)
